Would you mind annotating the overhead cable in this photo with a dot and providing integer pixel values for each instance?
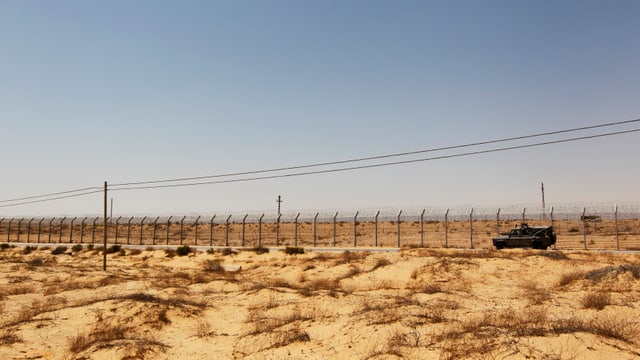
(378, 157)
(380, 164)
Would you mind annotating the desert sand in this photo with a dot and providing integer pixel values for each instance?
(415, 303)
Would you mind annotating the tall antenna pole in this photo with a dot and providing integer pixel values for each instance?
(544, 214)
(104, 231)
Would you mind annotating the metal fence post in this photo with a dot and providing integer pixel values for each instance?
(446, 229)
(29, 231)
(61, 221)
(195, 236)
(551, 215)
(524, 209)
(19, 223)
(278, 230)
(226, 240)
(182, 228)
(50, 228)
(399, 220)
(471, 229)
(422, 228)
(9, 230)
(129, 230)
(39, 228)
(117, 223)
(211, 230)
(1, 221)
(498, 221)
(260, 231)
(315, 232)
(584, 227)
(615, 216)
(168, 226)
(355, 229)
(93, 230)
(244, 222)
(296, 230)
(71, 231)
(334, 228)
(376, 227)
(141, 227)
(82, 229)
(155, 227)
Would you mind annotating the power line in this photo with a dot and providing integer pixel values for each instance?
(48, 195)
(381, 164)
(378, 157)
(51, 199)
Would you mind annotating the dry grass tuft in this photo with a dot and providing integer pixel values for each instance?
(535, 293)
(568, 278)
(596, 300)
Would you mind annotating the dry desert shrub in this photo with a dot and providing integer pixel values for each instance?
(535, 293)
(311, 288)
(203, 329)
(9, 337)
(116, 335)
(596, 300)
(570, 277)
(380, 263)
(612, 272)
(16, 289)
(212, 265)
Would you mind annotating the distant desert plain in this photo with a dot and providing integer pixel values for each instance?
(416, 303)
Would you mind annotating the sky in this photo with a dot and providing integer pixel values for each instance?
(128, 91)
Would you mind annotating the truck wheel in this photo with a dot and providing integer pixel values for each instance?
(500, 246)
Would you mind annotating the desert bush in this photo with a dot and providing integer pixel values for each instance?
(4, 246)
(553, 255)
(29, 249)
(170, 253)
(612, 271)
(113, 249)
(535, 293)
(59, 250)
(212, 265)
(228, 251)
(614, 327)
(9, 337)
(183, 250)
(90, 246)
(431, 288)
(292, 250)
(380, 263)
(76, 248)
(568, 278)
(35, 262)
(260, 250)
(596, 300)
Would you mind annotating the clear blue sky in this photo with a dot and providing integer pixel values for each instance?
(138, 90)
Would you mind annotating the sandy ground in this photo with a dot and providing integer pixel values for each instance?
(416, 303)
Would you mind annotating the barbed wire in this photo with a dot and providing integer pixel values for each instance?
(455, 213)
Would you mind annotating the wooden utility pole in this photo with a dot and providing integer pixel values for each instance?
(279, 201)
(104, 231)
